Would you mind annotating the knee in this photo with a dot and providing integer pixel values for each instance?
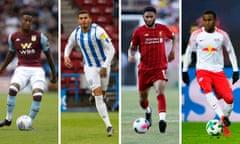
(13, 89)
(206, 89)
(98, 91)
(228, 99)
(37, 96)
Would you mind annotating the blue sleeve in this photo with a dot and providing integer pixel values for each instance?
(44, 42)
(11, 47)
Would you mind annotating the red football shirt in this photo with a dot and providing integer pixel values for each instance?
(28, 48)
(152, 46)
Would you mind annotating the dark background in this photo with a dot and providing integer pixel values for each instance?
(228, 13)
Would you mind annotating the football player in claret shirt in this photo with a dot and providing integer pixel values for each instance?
(149, 39)
(27, 45)
(208, 42)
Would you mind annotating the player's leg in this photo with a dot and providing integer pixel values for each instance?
(94, 83)
(143, 87)
(104, 86)
(205, 80)
(36, 103)
(223, 90)
(38, 83)
(144, 103)
(11, 101)
(159, 87)
(18, 81)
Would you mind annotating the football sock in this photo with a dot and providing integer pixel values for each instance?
(161, 103)
(102, 110)
(34, 109)
(212, 100)
(11, 102)
(148, 109)
(162, 116)
(227, 109)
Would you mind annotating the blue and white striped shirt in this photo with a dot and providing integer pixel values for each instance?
(95, 45)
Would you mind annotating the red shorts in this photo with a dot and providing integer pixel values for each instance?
(146, 78)
(215, 82)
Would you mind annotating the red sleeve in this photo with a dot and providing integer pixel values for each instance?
(135, 38)
(169, 34)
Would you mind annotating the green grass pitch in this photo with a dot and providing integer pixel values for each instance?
(87, 128)
(45, 124)
(131, 110)
(195, 133)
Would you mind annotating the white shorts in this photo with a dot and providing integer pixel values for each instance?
(93, 78)
(33, 75)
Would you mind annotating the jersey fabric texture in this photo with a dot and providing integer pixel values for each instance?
(97, 50)
(28, 47)
(209, 48)
(217, 80)
(151, 42)
(146, 78)
(91, 44)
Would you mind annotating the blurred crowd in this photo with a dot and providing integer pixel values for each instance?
(45, 20)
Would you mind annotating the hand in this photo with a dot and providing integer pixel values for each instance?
(53, 79)
(171, 56)
(235, 77)
(185, 78)
(103, 72)
(131, 59)
(67, 62)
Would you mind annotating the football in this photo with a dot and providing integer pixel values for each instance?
(24, 122)
(214, 127)
(140, 125)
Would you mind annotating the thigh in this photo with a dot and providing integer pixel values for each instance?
(92, 77)
(105, 81)
(222, 86)
(144, 80)
(38, 79)
(20, 77)
(205, 81)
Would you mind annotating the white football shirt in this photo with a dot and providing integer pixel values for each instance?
(95, 45)
(209, 48)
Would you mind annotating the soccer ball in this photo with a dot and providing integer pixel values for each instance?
(214, 127)
(140, 125)
(24, 122)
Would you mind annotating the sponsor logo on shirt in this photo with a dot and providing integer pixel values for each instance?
(210, 49)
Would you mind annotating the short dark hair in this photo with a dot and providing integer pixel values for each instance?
(84, 12)
(149, 9)
(211, 12)
(29, 13)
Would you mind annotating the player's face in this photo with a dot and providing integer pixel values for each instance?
(26, 22)
(149, 18)
(209, 22)
(84, 21)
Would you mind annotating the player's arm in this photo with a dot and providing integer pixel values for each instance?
(68, 49)
(171, 55)
(131, 52)
(232, 57)
(10, 56)
(52, 66)
(47, 52)
(187, 59)
(133, 46)
(109, 52)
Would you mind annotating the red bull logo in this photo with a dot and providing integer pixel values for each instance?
(209, 49)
